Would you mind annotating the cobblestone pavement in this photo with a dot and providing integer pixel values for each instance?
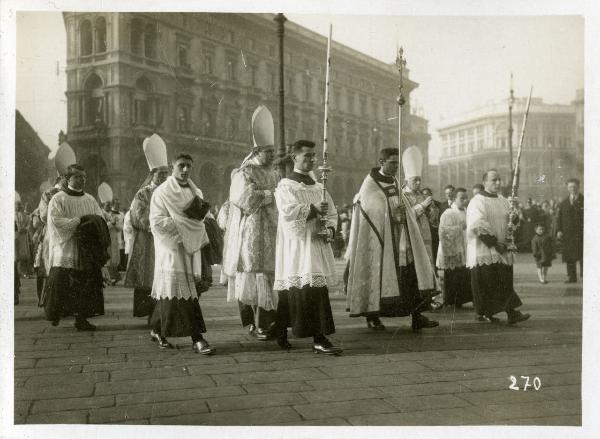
(456, 374)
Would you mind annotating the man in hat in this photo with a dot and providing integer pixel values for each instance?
(388, 262)
(417, 260)
(140, 269)
(251, 231)
(490, 261)
(71, 287)
(569, 226)
(304, 264)
(176, 219)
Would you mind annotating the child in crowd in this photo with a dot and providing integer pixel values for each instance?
(542, 248)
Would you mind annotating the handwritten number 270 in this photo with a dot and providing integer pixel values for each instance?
(536, 383)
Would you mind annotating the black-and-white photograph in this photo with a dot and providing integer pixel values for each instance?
(318, 218)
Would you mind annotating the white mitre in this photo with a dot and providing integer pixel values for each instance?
(105, 193)
(155, 150)
(412, 162)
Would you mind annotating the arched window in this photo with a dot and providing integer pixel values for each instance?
(150, 40)
(208, 126)
(94, 100)
(143, 110)
(85, 38)
(182, 55)
(182, 119)
(231, 70)
(137, 37)
(231, 128)
(100, 35)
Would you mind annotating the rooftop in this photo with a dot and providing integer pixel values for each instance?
(500, 109)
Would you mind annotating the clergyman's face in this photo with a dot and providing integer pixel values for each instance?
(266, 156)
(160, 175)
(304, 160)
(449, 193)
(414, 183)
(77, 179)
(460, 200)
(390, 165)
(492, 182)
(182, 169)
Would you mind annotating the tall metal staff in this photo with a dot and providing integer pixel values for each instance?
(281, 150)
(511, 101)
(510, 231)
(400, 65)
(325, 168)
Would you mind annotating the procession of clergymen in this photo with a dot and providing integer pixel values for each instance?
(300, 225)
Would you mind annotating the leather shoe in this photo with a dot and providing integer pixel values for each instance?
(84, 325)
(154, 336)
(375, 324)
(259, 334)
(325, 347)
(420, 321)
(488, 319)
(202, 347)
(516, 317)
(55, 322)
(164, 344)
(284, 343)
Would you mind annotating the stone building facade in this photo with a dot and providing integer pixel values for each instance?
(479, 141)
(196, 78)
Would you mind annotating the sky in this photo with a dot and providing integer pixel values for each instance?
(460, 63)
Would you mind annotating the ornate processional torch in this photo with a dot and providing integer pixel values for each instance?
(400, 64)
(510, 231)
(325, 168)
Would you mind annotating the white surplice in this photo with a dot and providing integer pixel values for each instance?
(301, 257)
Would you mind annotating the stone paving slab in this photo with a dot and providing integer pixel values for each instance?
(66, 404)
(152, 396)
(344, 408)
(236, 417)
(456, 374)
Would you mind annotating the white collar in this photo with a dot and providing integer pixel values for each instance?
(301, 172)
(73, 189)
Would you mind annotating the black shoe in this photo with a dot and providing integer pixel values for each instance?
(284, 343)
(202, 347)
(325, 347)
(420, 321)
(164, 344)
(55, 322)
(516, 317)
(375, 324)
(488, 319)
(154, 336)
(435, 306)
(259, 334)
(84, 325)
